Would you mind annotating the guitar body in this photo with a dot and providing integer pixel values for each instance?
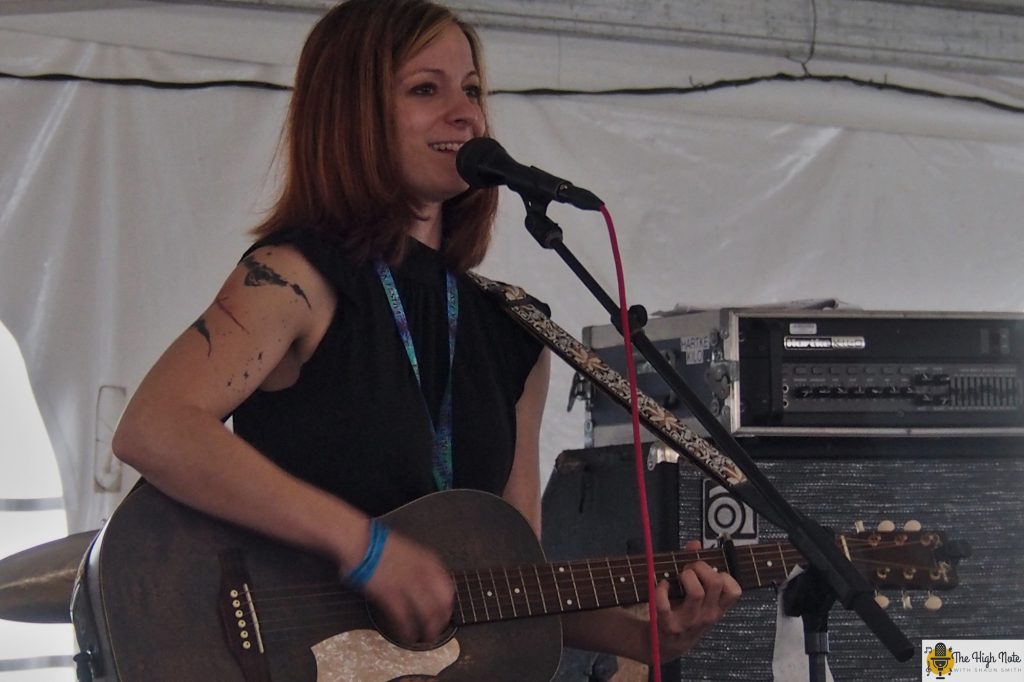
(168, 593)
(150, 588)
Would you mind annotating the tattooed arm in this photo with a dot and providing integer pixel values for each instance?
(257, 331)
(265, 322)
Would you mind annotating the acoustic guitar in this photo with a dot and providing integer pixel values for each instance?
(168, 593)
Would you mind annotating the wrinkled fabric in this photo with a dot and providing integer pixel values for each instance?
(123, 207)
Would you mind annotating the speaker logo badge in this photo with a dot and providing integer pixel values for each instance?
(973, 660)
(724, 515)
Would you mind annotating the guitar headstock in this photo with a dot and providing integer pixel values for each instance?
(908, 559)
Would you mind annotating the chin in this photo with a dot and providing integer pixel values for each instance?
(456, 190)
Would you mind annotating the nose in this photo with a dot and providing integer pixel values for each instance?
(465, 112)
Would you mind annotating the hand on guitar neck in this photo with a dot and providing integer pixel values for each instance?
(690, 599)
(709, 594)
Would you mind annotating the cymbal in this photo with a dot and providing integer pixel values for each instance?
(36, 584)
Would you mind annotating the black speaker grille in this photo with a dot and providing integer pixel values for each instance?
(974, 498)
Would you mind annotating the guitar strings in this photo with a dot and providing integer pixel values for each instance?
(534, 602)
(745, 560)
(745, 556)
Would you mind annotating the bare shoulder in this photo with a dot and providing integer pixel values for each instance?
(262, 325)
(284, 269)
(280, 283)
(277, 287)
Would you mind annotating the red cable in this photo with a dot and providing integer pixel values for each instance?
(641, 482)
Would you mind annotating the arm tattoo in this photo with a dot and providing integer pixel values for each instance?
(261, 275)
(200, 326)
(220, 304)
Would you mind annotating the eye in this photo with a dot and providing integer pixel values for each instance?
(424, 89)
(473, 91)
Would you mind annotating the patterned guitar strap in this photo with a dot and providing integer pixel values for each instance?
(659, 421)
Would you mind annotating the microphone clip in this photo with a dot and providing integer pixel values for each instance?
(545, 230)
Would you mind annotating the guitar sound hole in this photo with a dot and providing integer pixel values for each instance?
(380, 625)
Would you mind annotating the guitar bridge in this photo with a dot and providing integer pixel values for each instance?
(239, 618)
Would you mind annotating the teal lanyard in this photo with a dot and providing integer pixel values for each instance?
(442, 455)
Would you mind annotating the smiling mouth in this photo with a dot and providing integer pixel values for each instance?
(446, 146)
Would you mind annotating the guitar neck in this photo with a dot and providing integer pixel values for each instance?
(492, 594)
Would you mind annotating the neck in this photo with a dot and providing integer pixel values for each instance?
(426, 229)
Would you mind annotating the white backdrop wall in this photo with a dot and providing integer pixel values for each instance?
(122, 207)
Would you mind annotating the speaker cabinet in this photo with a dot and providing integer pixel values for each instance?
(591, 508)
(972, 489)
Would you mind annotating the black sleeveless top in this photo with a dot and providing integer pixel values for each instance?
(355, 423)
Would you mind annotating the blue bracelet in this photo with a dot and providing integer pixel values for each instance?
(361, 574)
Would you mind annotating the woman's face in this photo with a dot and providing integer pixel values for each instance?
(436, 110)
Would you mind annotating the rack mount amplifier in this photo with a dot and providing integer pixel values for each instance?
(829, 372)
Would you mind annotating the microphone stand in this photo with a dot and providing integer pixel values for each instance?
(807, 596)
(831, 576)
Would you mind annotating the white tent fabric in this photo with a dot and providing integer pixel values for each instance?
(123, 206)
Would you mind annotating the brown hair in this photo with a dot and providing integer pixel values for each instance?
(340, 178)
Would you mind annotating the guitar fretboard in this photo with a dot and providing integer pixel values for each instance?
(499, 593)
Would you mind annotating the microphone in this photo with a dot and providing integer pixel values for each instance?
(482, 162)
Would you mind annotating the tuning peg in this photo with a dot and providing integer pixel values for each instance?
(906, 600)
(881, 600)
(858, 526)
(912, 526)
(933, 602)
(886, 527)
